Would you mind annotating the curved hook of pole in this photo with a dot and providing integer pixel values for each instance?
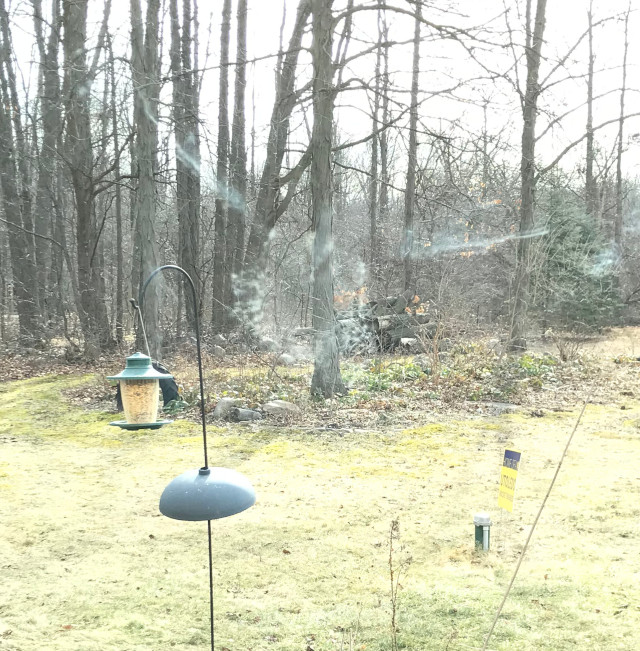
(175, 267)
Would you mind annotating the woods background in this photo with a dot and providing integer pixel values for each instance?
(298, 159)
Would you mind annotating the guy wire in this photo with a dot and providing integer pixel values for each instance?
(535, 522)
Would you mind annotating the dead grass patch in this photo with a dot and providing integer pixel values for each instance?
(88, 562)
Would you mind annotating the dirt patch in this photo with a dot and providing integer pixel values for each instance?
(617, 342)
(614, 342)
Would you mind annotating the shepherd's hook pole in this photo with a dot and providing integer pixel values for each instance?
(175, 267)
(199, 353)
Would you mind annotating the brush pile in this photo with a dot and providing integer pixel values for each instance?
(382, 326)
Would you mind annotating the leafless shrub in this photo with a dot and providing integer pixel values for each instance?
(397, 566)
(569, 345)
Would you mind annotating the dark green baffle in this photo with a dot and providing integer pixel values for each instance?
(207, 494)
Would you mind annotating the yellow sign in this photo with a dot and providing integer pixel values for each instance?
(508, 476)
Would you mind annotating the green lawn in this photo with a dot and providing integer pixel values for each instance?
(87, 562)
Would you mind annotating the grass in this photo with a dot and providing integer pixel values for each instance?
(88, 562)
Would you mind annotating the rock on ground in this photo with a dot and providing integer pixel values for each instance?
(267, 344)
(218, 351)
(280, 408)
(499, 408)
(224, 407)
(240, 415)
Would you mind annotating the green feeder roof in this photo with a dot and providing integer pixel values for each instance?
(139, 367)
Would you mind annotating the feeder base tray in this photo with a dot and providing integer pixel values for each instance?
(125, 425)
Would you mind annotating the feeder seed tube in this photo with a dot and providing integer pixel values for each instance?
(140, 399)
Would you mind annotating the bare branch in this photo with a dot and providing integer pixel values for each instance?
(570, 146)
(559, 118)
(101, 36)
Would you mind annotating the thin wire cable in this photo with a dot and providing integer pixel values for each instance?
(535, 522)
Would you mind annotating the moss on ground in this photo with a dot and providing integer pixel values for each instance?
(90, 564)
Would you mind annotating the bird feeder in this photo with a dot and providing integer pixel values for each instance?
(139, 388)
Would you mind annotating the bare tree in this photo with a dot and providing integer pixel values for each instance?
(268, 207)
(78, 81)
(374, 181)
(591, 190)
(326, 379)
(521, 290)
(14, 182)
(49, 84)
(237, 163)
(65, 177)
(412, 157)
(145, 70)
(384, 134)
(220, 264)
(119, 297)
(617, 235)
(187, 149)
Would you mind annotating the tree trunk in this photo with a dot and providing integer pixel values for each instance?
(177, 82)
(22, 152)
(326, 379)
(266, 211)
(145, 64)
(119, 298)
(527, 173)
(47, 159)
(617, 231)
(591, 190)
(3, 294)
(238, 163)
(485, 152)
(383, 211)
(17, 201)
(79, 157)
(23, 276)
(412, 158)
(191, 240)
(220, 264)
(60, 255)
(187, 151)
(373, 178)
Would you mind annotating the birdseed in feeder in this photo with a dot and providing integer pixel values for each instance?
(140, 400)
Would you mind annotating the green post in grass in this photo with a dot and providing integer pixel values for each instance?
(482, 523)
